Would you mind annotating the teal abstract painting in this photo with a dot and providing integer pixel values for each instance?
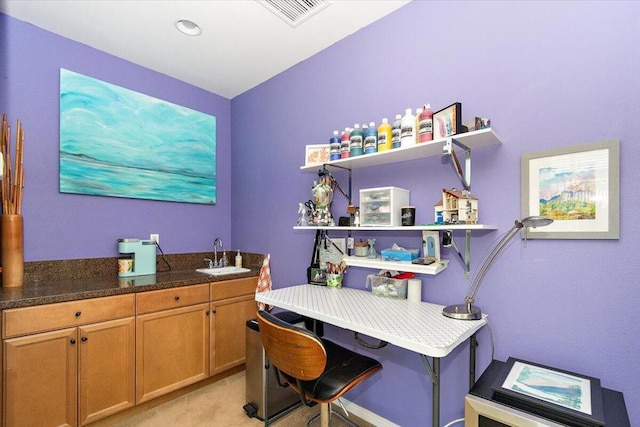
(120, 143)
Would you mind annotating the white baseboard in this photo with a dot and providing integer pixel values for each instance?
(364, 414)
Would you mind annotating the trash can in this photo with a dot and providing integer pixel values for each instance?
(280, 398)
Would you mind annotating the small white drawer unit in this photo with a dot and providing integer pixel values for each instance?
(381, 206)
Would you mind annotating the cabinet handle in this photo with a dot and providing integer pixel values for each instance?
(214, 311)
(176, 298)
(207, 312)
(73, 341)
(84, 339)
(78, 313)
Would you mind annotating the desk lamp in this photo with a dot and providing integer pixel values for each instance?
(467, 311)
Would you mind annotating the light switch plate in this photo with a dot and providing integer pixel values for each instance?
(350, 243)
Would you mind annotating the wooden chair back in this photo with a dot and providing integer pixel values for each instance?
(294, 351)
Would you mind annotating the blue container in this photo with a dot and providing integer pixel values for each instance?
(371, 139)
(334, 146)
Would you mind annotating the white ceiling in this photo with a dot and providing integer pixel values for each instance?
(242, 43)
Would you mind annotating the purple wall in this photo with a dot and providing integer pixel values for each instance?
(67, 226)
(549, 74)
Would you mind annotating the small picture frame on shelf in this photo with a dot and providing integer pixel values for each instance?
(316, 154)
(447, 121)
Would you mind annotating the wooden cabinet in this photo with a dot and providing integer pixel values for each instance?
(40, 379)
(73, 363)
(66, 376)
(232, 305)
(106, 380)
(172, 344)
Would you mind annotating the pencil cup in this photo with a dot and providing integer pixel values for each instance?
(334, 281)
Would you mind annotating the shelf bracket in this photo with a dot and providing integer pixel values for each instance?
(466, 257)
(324, 171)
(448, 149)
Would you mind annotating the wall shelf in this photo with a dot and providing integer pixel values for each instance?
(379, 263)
(476, 139)
(438, 147)
(465, 254)
(435, 227)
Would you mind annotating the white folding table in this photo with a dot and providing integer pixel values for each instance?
(415, 326)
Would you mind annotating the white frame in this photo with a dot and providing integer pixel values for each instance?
(319, 150)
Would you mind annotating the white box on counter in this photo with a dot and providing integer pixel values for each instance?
(381, 206)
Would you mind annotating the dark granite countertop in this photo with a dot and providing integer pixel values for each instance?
(58, 281)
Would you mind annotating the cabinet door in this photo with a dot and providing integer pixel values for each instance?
(40, 379)
(228, 332)
(106, 369)
(172, 350)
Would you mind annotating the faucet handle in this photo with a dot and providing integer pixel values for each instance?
(210, 262)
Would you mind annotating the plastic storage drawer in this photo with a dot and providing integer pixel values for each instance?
(381, 206)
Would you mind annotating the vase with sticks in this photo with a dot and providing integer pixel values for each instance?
(12, 225)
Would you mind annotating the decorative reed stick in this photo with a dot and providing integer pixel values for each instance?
(12, 178)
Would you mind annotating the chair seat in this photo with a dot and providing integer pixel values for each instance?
(343, 367)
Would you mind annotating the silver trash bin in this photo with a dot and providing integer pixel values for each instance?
(280, 398)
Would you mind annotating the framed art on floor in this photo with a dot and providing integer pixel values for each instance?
(563, 396)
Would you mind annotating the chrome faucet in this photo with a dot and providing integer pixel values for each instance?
(222, 262)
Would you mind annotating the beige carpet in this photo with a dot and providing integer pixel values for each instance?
(219, 404)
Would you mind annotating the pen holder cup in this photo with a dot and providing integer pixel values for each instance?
(334, 281)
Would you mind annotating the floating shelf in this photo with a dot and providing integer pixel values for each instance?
(435, 227)
(379, 263)
(475, 139)
(438, 147)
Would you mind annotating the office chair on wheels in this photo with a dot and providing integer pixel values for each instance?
(319, 370)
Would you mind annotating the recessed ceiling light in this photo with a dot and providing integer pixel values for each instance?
(190, 28)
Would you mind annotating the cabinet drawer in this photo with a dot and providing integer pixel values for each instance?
(233, 288)
(29, 320)
(148, 302)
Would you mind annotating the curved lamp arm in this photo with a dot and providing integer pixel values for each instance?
(469, 312)
(495, 253)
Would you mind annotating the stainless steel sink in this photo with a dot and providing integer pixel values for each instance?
(222, 270)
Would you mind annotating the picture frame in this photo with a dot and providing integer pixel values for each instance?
(577, 187)
(316, 154)
(317, 276)
(563, 396)
(448, 121)
(109, 133)
(332, 250)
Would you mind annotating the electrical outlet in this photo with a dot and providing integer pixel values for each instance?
(155, 238)
(350, 243)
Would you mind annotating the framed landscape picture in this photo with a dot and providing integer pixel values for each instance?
(577, 187)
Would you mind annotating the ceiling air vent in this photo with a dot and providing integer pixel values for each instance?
(294, 12)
